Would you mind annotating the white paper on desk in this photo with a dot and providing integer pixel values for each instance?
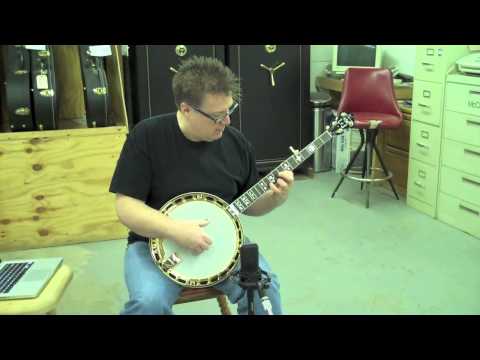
(36, 47)
(100, 50)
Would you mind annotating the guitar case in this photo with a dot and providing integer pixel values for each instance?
(127, 82)
(95, 87)
(44, 89)
(18, 103)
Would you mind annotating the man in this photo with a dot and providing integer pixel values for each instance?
(193, 150)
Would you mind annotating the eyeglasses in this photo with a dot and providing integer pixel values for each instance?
(220, 118)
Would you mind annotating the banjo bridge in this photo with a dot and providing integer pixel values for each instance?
(172, 261)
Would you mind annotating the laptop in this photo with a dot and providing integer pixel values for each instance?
(25, 279)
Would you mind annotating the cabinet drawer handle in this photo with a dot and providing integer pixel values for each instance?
(426, 147)
(428, 67)
(473, 122)
(419, 184)
(475, 212)
(474, 92)
(470, 181)
(468, 151)
(422, 174)
(423, 105)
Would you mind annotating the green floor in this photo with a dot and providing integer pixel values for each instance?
(332, 256)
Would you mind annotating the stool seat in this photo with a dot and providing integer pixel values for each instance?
(46, 302)
(189, 295)
(388, 121)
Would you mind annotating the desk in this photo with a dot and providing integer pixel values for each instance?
(46, 302)
(402, 92)
(392, 144)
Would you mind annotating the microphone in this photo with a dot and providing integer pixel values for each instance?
(249, 270)
(251, 275)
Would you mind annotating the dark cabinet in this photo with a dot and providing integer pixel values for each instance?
(274, 112)
(152, 69)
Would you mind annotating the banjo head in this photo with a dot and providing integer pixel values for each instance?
(211, 266)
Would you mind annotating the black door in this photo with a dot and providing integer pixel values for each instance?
(153, 67)
(274, 112)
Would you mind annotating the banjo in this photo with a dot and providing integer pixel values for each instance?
(225, 230)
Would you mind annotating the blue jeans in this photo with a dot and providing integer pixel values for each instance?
(152, 292)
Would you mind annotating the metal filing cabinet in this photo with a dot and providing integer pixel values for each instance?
(459, 194)
(433, 62)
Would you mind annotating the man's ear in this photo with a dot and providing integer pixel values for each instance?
(185, 109)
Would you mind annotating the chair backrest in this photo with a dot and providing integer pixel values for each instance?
(368, 90)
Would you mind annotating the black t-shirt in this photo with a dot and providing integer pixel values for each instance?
(158, 162)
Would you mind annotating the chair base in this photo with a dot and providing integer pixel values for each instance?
(365, 180)
(366, 171)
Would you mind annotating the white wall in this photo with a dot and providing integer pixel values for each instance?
(401, 55)
(320, 57)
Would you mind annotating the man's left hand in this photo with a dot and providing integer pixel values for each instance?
(282, 186)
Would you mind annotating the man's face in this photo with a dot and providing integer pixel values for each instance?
(201, 119)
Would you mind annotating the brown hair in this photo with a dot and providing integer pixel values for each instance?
(200, 75)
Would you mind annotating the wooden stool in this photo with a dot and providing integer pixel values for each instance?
(189, 295)
(46, 302)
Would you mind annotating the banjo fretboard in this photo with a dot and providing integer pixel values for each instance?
(260, 188)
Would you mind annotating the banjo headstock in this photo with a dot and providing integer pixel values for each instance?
(342, 121)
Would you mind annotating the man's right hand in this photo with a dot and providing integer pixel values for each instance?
(190, 234)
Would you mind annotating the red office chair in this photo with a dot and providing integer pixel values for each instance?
(368, 94)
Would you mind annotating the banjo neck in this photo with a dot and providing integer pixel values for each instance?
(248, 198)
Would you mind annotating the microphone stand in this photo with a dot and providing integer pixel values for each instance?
(250, 279)
(264, 284)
